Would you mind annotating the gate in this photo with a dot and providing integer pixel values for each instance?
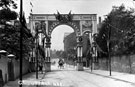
(10, 71)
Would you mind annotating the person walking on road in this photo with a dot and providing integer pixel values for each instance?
(41, 68)
(61, 63)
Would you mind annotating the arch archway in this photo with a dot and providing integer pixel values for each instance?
(58, 35)
(79, 22)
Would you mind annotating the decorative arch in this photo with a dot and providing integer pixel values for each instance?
(81, 23)
(54, 24)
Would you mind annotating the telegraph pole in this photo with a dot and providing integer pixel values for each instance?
(108, 46)
(108, 42)
(109, 33)
(21, 59)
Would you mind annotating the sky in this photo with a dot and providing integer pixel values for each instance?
(99, 7)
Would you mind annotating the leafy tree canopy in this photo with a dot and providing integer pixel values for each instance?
(9, 34)
(120, 22)
(6, 13)
(10, 41)
(8, 4)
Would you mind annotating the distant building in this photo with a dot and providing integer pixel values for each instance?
(66, 34)
(65, 40)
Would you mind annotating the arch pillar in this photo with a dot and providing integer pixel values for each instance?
(79, 54)
(47, 54)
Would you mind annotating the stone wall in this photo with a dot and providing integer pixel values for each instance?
(16, 65)
(16, 68)
(120, 63)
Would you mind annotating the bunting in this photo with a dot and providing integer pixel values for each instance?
(31, 11)
(23, 20)
(26, 31)
(31, 4)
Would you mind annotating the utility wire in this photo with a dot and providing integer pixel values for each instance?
(114, 27)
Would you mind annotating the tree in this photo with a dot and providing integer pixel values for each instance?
(10, 41)
(6, 14)
(9, 34)
(121, 23)
(70, 41)
(8, 4)
(101, 39)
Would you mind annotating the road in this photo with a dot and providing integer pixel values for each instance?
(69, 77)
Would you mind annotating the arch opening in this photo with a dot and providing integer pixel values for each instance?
(58, 34)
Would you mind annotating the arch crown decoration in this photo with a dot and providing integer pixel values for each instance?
(79, 22)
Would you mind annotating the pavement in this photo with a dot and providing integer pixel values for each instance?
(69, 77)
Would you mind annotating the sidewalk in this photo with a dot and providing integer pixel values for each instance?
(28, 77)
(119, 76)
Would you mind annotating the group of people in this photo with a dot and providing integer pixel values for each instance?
(61, 64)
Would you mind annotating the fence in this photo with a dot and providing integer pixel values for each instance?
(16, 67)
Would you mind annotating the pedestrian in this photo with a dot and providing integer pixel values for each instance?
(41, 68)
(60, 62)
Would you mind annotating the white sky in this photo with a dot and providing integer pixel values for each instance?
(99, 7)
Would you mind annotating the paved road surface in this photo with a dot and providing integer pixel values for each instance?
(69, 77)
